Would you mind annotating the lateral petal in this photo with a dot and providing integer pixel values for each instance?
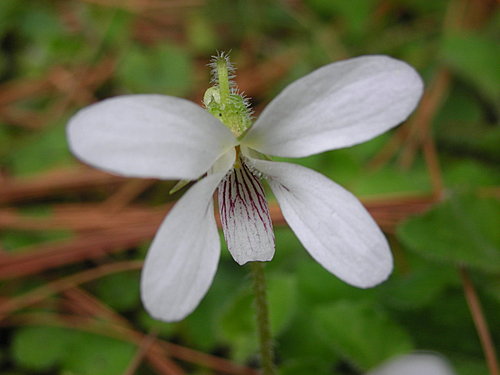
(181, 263)
(338, 105)
(330, 222)
(152, 136)
(245, 217)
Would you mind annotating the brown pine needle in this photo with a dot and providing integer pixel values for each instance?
(480, 322)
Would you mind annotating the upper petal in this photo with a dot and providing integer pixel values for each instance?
(182, 260)
(331, 223)
(148, 136)
(338, 105)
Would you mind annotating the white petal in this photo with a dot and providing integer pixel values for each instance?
(331, 223)
(338, 105)
(245, 217)
(148, 136)
(415, 364)
(183, 257)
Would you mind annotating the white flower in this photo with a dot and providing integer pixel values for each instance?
(415, 364)
(156, 136)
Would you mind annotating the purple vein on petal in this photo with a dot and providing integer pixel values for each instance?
(245, 217)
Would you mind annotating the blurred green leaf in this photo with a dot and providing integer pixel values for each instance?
(361, 333)
(464, 175)
(111, 29)
(492, 286)
(299, 366)
(444, 326)
(316, 285)
(97, 355)
(49, 39)
(40, 348)
(463, 129)
(237, 325)
(351, 15)
(45, 348)
(120, 290)
(9, 14)
(162, 69)
(475, 57)
(461, 107)
(42, 151)
(423, 284)
(391, 179)
(39, 21)
(282, 298)
(460, 230)
(470, 366)
(475, 140)
(303, 344)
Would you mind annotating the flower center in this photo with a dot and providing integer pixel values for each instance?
(224, 101)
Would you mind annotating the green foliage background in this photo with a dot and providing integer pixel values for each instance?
(321, 325)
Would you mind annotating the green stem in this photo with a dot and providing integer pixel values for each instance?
(265, 338)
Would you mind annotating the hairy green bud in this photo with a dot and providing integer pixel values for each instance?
(224, 101)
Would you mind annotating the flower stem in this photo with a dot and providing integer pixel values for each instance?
(265, 338)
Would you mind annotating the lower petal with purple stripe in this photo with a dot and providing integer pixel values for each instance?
(245, 217)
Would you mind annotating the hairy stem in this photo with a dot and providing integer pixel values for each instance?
(480, 322)
(264, 329)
